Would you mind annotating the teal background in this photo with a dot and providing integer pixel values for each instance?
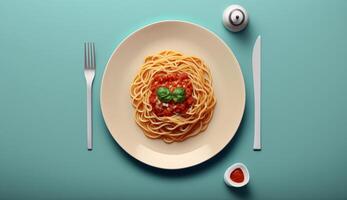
(42, 101)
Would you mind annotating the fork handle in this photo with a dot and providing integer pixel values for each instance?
(89, 118)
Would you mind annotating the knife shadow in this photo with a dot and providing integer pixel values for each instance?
(191, 171)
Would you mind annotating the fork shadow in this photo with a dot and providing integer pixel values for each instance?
(191, 171)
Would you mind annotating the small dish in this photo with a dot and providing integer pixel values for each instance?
(234, 168)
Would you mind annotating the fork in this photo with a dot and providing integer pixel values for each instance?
(89, 73)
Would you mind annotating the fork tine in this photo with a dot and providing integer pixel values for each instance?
(94, 63)
(89, 57)
(85, 55)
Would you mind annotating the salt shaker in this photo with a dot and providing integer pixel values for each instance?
(235, 18)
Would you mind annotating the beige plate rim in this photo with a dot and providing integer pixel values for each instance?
(186, 165)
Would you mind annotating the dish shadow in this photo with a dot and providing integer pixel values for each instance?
(190, 171)
(244, 192)
(244, 38)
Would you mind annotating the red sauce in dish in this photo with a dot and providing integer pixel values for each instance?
(171, 81)
(237, 175)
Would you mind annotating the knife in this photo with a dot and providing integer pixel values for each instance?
(256, 62)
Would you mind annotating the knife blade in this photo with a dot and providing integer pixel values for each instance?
(256, 62)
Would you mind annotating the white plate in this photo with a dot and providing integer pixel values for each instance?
(228, 84)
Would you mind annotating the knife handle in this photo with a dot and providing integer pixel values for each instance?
(257, 140)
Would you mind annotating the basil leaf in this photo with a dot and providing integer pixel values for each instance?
(166, 99)
(163, 92)
(179, 98)
(179, 91)
(179, 95)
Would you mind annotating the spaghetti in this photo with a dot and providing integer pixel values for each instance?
(173, 96)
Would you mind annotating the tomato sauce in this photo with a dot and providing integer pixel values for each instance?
(171, 81)
(237, 175)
